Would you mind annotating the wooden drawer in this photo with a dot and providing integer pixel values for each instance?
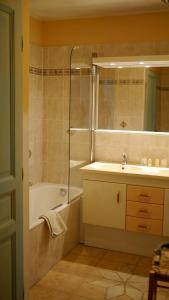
(144, 210)
(145, 194)
(147, 226)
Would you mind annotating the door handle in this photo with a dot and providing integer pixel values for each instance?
(118, 198)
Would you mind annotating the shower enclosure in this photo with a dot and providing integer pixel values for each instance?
(60, 135)
(60, 127)
(80, 112)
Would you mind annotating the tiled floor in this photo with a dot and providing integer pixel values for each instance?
(97, 274)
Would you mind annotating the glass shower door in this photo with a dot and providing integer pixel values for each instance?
(80, 113)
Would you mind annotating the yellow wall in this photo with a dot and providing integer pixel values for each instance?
(25, 79)
(36, 32)
(126, 28)
(25, 21)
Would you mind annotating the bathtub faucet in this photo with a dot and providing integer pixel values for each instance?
(124, 160)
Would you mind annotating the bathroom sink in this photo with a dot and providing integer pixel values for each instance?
(127, 169)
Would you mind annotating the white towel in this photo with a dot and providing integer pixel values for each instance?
(55, 223)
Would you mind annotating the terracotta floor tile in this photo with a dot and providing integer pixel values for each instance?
(62, 282)
(111, 275)
(124, 297)
(127, 258)
(124, 276)
(115, 291)
(43, 293)
(90, 291)
(88, 251)
(146, 261)
(116, 266)
(133, 293)
(140, 283)
(88, 273)
(83, 259)
(141, 271)
(105, 283)
(75, 297)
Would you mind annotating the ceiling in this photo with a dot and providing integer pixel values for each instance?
(68, 9)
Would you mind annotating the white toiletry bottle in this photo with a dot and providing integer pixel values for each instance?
(149, 162)
(157, 162)
(144, 161)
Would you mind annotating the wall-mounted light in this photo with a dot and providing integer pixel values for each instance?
(132, 61)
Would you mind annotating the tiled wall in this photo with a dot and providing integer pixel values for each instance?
(56, 111)
(110, 146)
(49, 113)
(49, 116)
(162, 100)
(36, 116)
(121, 99)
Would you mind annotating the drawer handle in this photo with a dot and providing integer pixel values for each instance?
(145, 211)
(143, 226)
(144, 195)
(118, 197)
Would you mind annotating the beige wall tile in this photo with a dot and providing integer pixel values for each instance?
(53, 87)
(110, 146)
(36, 56)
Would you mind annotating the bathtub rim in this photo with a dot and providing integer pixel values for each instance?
(41, 184)
(39, 221)
(59, 208)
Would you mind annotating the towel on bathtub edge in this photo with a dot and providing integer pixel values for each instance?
(55, 223)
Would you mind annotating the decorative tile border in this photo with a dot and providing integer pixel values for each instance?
(163, 88)
(59, 72)
(121, 82)
(35, 71)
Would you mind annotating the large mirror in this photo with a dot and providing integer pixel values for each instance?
(132, 94)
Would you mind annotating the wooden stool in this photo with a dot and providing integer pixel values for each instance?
(159, 273)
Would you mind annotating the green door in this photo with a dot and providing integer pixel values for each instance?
(11, 275)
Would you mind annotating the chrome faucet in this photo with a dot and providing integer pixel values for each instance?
(124, 160)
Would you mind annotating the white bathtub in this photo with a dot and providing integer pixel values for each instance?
(46, 196)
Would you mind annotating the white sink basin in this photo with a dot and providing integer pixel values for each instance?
(127, 169)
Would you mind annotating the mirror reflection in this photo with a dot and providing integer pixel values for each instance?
(133, 98)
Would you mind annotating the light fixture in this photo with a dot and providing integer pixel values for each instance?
(120, 67)
(132, 61)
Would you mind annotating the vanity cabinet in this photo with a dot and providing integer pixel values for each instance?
(125, 210)
(145, 206)
(104, 204)
(166, 214)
